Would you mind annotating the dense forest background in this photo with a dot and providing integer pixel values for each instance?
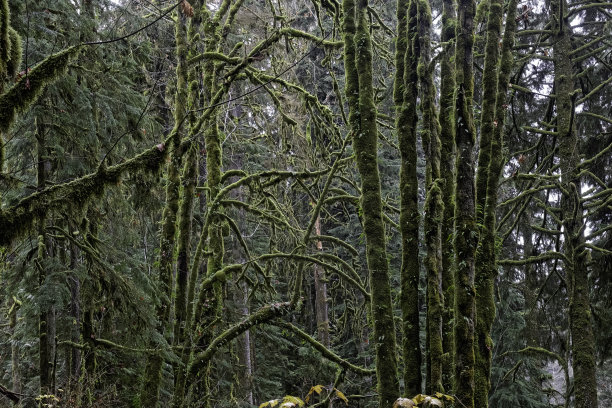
(306, 203)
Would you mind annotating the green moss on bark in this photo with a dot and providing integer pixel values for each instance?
(572, 210)
(27, 90)
(485, 257)
(406, 124)
(465, 237)
(365, 140)
(447, 173)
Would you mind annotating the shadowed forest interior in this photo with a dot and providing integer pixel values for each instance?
(306, 203)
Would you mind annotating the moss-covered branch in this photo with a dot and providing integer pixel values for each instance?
(263, 315)
(19, 219)
(546, 256)
(27, 90)
(327, 353)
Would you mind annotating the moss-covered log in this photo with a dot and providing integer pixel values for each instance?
(405, 98)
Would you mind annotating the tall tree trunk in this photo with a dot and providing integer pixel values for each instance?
(245, 361)
(321, 294)
(152, 377)
(581, 329)
(485, 265)
(434, 206)
(12, 314)
(465, 236)
(75, 314)
(362, 118)
(447, 173)
(46, 319)
(405, 98)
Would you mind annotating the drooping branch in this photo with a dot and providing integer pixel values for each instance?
(27, 90)
(327, 353)
(19, 219)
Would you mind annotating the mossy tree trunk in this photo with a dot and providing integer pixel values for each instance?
(152, 378)
(362, 118)
(495, 87)
(447, 174)
(465, 237)
(434, 207)
(321, 294)
(405, 98)
(46, 320)
(581, 329)
(485, 264)
(15, 375)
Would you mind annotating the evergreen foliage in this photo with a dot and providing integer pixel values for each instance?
(305, 203)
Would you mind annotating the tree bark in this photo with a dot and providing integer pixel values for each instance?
(405, 98)
(581, 328)
(447, 174)
(321, 294)
(362, 118)
(465, 237)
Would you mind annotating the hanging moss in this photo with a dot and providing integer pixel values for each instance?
(27, 90)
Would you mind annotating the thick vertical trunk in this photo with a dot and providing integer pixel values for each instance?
(581, 329)
(358, 66)
(405, 98)
(46, 319)
(434, 206)
(152, 377)
(447, 173)
(245, 362)
(75, 314)
(465, 237)
(485, 262)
